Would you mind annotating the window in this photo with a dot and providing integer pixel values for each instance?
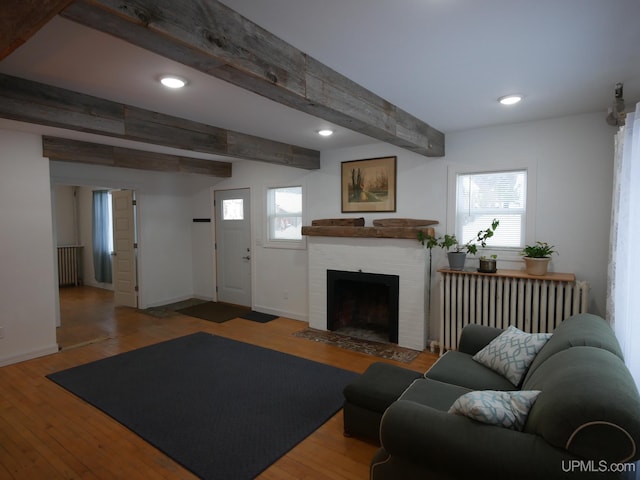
(284, 217)
(233, 209)
(102, 236)
(481, 197)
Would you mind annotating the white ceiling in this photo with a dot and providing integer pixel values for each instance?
(444, 61)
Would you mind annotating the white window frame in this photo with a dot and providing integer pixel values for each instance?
(506, 253)
(295, 244)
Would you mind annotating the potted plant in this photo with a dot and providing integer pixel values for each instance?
(457, 256)
(456, 252)
(488, 264)
(537, 257)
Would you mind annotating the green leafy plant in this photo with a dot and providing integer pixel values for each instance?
(427, 240)
(538, 250)
(450, 242)
(446, 242)
(482, 237)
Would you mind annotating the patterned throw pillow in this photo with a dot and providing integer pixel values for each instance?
(504, 409)
(511, 353)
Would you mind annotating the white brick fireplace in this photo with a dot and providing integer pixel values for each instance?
(402, 257)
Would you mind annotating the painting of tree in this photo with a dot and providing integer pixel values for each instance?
(369, 185)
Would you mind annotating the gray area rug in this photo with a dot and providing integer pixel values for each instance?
(377, 349)
(221, 408)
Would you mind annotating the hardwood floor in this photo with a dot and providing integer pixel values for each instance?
(48, 433)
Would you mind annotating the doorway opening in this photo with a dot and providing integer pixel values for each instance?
(73, 219)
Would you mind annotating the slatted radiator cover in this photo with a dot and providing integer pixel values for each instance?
(69, 258)
(534, 305)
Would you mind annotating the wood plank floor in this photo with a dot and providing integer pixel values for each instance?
(47, 433)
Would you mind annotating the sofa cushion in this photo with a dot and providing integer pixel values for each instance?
(460, 369)
(434, 394)
(579, 330)
(511, 352)
(503, 409)
(589, 405)
(379, 386)
(474, 337)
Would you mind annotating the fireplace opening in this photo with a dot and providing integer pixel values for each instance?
(363, 305)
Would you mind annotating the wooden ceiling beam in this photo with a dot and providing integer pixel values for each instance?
(20, 19)
(66, 150)
(32, 102)
(212, 38)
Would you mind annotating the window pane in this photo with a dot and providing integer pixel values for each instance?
(481, 197)
(285, 213)
(233, 209)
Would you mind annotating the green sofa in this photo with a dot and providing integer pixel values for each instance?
(585, 422)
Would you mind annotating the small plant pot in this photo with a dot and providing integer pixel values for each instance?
(536, 266)
(488, 265)
(456, 260)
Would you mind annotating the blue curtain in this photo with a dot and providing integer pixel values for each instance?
(101, 240)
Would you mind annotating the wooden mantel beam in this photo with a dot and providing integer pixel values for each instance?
(66, 150)
(20, 19)
(210, 37)
(32, 102)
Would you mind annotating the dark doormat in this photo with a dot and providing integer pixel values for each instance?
(390, 351)
(214, 311)
(258, 316)
(169, 310)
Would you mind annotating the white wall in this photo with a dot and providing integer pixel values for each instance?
(202, 241)
(27, 277)
(66, 226)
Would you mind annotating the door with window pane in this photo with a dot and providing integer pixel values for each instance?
(233, 246)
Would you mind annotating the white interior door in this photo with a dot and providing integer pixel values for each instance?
(233, 246)
(124, 249)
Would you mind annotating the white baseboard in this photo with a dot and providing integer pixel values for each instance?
(40, 352)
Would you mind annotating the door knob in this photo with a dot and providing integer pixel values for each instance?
(248, 257)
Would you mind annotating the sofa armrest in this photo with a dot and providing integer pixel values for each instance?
(463, 448)
(474, 338)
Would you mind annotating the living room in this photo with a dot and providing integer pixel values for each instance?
(556, 147)
(570, 158)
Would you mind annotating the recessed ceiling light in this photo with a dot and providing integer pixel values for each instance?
(173, 81)
(510, 99)
(325, 132)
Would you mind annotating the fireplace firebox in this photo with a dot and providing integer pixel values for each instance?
(363, 304)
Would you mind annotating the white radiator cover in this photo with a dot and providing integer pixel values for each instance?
(532, 305)
(69, 265)
(401, 257)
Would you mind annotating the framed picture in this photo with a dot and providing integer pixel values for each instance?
(369, 185)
